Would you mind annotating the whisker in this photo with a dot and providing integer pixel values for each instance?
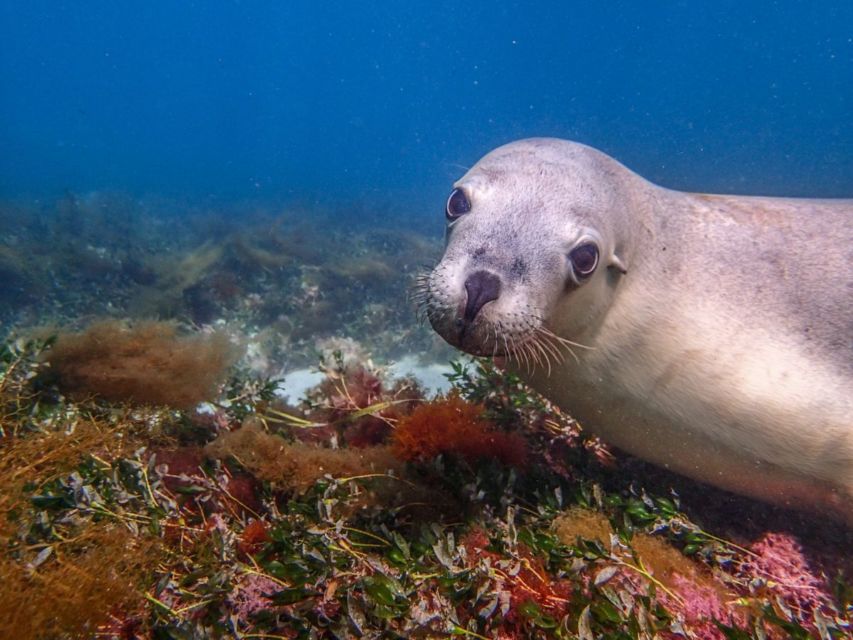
(510, 349)
(549, 342)
(554, 344)
(536, 361)
(562, 340)
(498, 334)
(537, 343)
(536, 351)
(553, 359)
(523, 354)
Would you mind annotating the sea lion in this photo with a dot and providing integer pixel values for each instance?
(710, 334)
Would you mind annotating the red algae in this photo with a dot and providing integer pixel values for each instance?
(455, 426)
(701, 607)
(782, 570)
(356, 389)
(254, 536)
(525, 579)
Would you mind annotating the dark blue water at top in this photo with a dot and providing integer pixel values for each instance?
(385, 102)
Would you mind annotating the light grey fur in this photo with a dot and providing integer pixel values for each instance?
(725, 351)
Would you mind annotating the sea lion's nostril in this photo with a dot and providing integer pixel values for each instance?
(481, 287)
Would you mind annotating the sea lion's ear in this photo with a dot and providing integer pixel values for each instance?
(616, 263)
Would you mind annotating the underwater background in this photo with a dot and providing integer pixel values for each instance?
(282, 166)
(218, 407)
(384, 102)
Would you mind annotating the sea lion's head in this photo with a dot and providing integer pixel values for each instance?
(532, 256)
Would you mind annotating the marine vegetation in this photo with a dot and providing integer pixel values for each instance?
(255, 519)
(147, 363)
(455, 426)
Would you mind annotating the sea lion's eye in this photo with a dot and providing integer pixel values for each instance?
(584, 259)
(457, 204)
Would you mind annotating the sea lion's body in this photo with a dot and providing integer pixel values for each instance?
(718, 329)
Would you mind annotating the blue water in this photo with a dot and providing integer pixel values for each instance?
(385, 103)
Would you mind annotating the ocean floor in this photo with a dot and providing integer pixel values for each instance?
(230, 423)
(295, 384)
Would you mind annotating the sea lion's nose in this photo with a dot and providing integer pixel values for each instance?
(481, 287)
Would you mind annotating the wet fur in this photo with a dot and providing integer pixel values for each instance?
(724, 352)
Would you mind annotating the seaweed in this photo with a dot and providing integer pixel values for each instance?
(296, 466)
(145, 364)
(88, 583)
(455, 426)
(260, 520)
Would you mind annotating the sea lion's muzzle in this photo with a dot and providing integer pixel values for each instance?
(481, 287)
